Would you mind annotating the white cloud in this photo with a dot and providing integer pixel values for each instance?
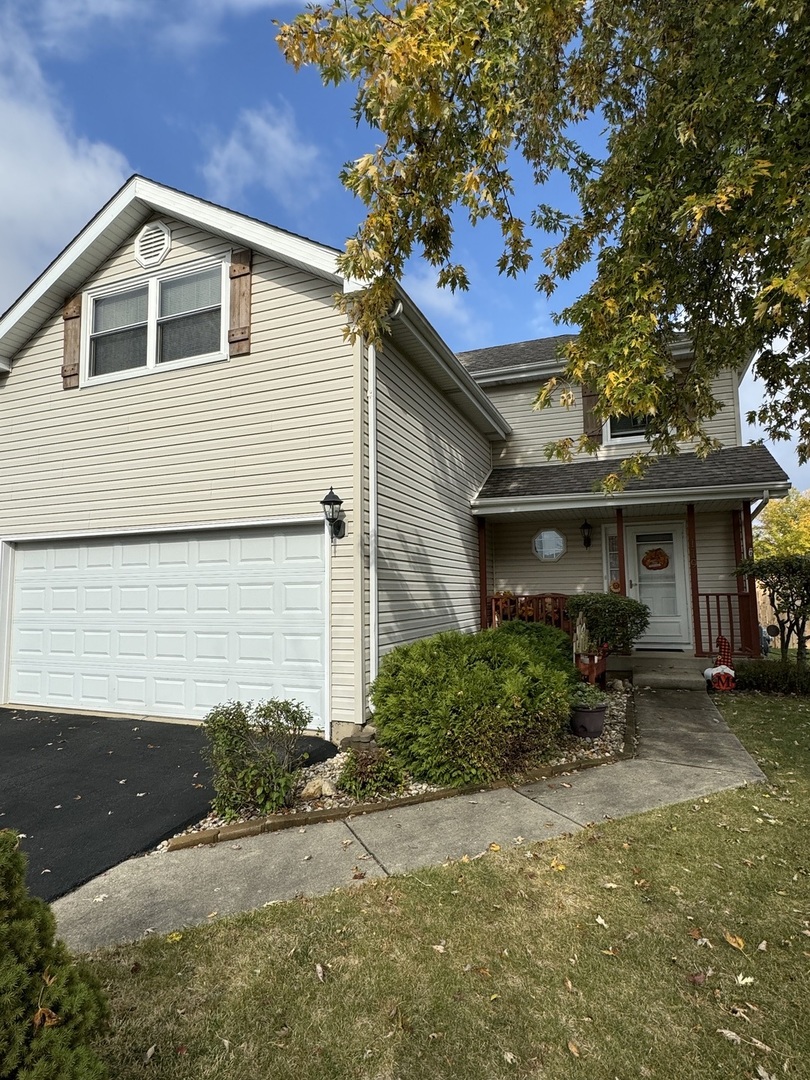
(51, 179)
(265, 150)
(454, 314)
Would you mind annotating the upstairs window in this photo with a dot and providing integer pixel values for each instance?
(621, 428)
(170, 319)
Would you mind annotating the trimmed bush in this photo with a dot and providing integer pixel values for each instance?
(370, 773)
(543, 642)
(50, 1007)
(465, 708)
(613, 622)
(772, 677)
(253, 751)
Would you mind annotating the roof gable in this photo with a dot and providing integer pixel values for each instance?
(137, 201)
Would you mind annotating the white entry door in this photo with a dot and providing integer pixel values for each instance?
(656, 575)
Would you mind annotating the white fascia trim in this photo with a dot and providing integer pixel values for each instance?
(157, 530)
(518, 374)
(452, 367)
(544, 503)
(253, 234)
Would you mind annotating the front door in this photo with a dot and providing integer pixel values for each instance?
(656, 575)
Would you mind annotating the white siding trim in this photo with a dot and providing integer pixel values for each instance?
(7, 556)
(327, 665)
(144, 530)
(373, 519)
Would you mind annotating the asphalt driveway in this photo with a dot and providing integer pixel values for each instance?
(90, 791)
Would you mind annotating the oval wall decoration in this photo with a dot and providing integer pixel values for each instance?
(655, 559)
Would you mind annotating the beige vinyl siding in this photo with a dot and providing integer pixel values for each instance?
(254, 437)
(517, 568)
(431, 462)
(533, 430)
(714, 541)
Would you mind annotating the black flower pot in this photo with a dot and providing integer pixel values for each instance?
(588, 722)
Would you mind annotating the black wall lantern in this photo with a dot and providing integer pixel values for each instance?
(331, 504)
(585, 529)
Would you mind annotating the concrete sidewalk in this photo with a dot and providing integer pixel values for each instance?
(685, 751)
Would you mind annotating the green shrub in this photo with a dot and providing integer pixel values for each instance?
(543, 642)
(613, 622)
(465, 708)
(253, 750)
(50, 1007)
(370, 773)
(772, 677)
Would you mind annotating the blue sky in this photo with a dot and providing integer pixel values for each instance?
(195, 94)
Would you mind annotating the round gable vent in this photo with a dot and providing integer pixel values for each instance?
(153, 244)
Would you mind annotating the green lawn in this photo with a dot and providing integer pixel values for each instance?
(624, 951)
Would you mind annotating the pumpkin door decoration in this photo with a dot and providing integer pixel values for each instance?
(655, 559)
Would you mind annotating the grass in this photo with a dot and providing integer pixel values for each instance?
(598, 956)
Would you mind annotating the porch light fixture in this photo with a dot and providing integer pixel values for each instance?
(331, 504)
(585, 529)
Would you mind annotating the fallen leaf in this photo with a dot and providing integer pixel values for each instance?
(175, 936)
(557, 865)
(45, 1018)
(139, 794)
(572, 1046)
(150, 1053)
(494, 847)
(743, 980)
(609, 885)
(734, 941)
(319, 972)
(732, 1036)
(763, 945)
(439, 948)
(610, 952)
(601, 921)
(509, 1057)
(697, 978)
(100, 899)
(182, 1049)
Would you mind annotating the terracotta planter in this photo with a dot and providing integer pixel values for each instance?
(588, 722)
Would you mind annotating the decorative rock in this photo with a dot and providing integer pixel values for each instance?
(328, 789)
(313, 789)
(362, 740)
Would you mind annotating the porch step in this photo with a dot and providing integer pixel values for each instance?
(663, 670)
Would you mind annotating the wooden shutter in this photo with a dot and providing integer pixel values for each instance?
(72, 316)
(239, 328)
(591, 424)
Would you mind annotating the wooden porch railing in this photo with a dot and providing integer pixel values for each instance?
(548, 608)
(727, 614)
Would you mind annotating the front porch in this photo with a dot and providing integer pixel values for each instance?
(671, 540)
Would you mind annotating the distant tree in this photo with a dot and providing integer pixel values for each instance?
(697, 215)
(783, 527)
(786, 580)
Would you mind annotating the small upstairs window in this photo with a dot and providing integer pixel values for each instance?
(169, 319)
(620, 428)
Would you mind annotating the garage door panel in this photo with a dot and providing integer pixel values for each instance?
(170, 626)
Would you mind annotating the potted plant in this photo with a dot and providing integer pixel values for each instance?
(588, 707)
(605, 623)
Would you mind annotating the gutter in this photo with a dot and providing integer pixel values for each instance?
(516, 504)
(766, 498)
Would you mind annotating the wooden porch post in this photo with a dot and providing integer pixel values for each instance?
(482, 571)
(620, 551)
(691, 540)
(742, 591)
(752, 613)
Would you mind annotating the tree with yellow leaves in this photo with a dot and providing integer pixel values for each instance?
(697, 214)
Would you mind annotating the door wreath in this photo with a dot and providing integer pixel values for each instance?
(655, 559)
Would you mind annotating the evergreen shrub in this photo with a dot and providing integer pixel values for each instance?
(51, 1008)
(613, 622)
(370, 773)
(772, 677)
(466, 708)
(253, 750)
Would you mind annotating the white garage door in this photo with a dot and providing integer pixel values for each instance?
(170, 626)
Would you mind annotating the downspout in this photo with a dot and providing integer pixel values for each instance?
(373, 520)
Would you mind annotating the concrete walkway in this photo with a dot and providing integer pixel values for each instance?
(685, 751)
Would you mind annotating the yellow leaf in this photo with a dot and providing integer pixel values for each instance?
(494, 847)
(734, 941)
(174, 937)
(572, 1046)
(557, 865)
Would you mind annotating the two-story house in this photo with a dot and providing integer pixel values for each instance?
(177, 399)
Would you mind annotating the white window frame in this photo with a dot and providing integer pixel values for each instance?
(621, 440)
(152, 282)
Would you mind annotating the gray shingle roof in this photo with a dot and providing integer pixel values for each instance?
(521, 354)
(734, 465)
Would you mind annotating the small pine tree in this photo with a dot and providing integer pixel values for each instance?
(50, 1008)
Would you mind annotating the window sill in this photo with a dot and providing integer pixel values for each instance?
(140, 373)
